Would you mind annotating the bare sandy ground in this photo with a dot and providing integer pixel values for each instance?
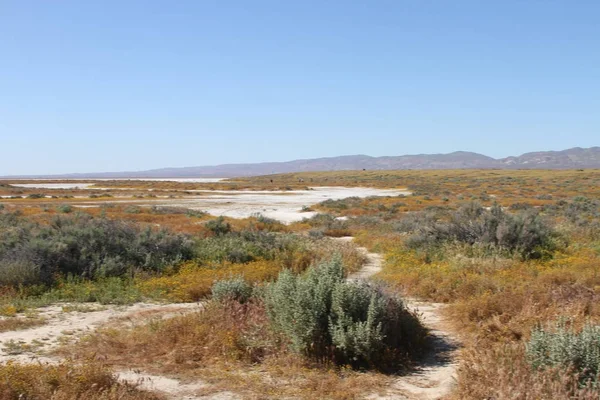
(284, 206)
(436, 376)
(61, 325)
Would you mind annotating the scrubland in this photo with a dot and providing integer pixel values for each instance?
(512, 253)
(515, 255)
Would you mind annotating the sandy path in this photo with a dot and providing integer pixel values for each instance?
(173, 389)
(435, 377)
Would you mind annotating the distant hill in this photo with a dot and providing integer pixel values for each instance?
(571, 158)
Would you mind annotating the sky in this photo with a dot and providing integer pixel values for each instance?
(92, 86)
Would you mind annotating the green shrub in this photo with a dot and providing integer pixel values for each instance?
(247, 246)
(265, 220)
(316, 233)
(85, 247)
(353, 335)
(342, 204)
(218, 226)
(195, 213)
(64, 208)
(582, 212)
(329, 319)
(17, 272)
(525, 233)
(236, 289)
(564, 348)
(177, 211)
(329, 225)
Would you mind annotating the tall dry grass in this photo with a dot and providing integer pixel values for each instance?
(66, 381)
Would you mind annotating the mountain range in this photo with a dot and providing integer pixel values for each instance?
(574, 158)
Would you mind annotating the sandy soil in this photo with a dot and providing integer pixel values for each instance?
(436, 376)
(173, 388)
(284, 206)
(62, 325)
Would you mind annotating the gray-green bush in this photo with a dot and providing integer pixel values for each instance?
(84, 247)
(329, 225)
(64, 208)
(218, 226)
(524, 233)
(329, 319)
(246, 246)
(236, 289)
(563, 347)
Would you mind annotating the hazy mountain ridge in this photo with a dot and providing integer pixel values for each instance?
(571, 158)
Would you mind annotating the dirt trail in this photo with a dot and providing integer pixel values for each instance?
(435, 377)
(174, 389)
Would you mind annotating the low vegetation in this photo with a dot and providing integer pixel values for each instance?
(315, 322)
(82, 246)
(506, 265)
(84, 258)
(510, 252)
(492, 231)
(563, 348)
(65, 381)
(233, 289)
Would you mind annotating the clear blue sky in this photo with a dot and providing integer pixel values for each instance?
(90, 86)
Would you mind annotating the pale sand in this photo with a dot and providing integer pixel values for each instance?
(62, 325)
(284, 206)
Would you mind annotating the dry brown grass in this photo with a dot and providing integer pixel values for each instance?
(17, 323)
(66, 381)
(502, 373)
(172, 219)
(496, 298)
